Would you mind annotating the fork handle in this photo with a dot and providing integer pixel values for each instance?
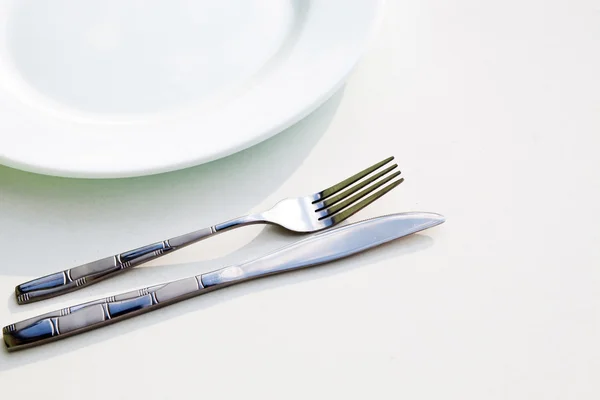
(84, 275)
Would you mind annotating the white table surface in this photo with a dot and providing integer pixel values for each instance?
(493, 112)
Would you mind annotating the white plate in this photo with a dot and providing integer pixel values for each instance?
(124, 88)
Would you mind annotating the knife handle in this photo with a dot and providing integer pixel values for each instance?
(95, 314)
(87, 274)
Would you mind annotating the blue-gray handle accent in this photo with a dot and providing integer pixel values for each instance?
(87, 274)
(83, 317)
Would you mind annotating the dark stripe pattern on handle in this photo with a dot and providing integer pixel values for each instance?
(87, 274)
(80, 318)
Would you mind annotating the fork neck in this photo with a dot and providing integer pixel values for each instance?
(240, 221)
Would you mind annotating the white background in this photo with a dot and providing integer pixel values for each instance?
(493, 112)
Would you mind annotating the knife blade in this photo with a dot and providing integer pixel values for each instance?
(317, 249)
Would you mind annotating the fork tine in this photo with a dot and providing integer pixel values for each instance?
(343, 204)
(341, 216)
(340, 196)
(349, 181)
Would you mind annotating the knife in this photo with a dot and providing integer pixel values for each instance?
(317, 249)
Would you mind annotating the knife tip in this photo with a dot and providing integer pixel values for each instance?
(435, 218)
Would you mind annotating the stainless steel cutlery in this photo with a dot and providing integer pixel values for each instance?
(311, 213)
(318, 249)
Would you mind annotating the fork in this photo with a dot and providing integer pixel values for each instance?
(305, 214)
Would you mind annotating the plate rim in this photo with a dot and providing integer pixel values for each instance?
(243, 144)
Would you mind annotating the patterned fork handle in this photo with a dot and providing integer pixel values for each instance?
(87, 274)
(82, 317)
